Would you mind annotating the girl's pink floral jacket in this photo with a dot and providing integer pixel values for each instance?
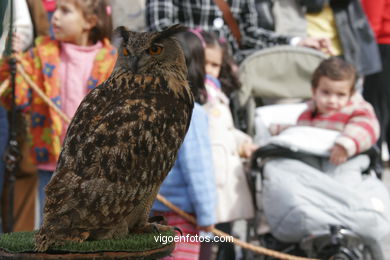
(42, 64)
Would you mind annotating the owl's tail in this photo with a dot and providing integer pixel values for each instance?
(42, 241)
(45, 238)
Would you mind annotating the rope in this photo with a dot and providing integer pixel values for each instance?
(245, 245)
(4, 86)
(41, 94)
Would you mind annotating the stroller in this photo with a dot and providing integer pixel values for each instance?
(308, 213)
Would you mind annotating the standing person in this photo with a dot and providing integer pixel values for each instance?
(376, 89)
(65, 69)
(229, 145)
(345, 23)
(190, 184)
(341, 21)
(25, 182)
(208, 16)
(22, 25)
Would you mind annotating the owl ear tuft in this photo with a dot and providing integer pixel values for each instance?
(170, 31)
(123, 32)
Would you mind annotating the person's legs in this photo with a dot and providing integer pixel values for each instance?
(226, 250)
(385, 83)
(4, 135)
(377, 90)
(43, 179)
(186, 249)
(3, 144)
(206, 251)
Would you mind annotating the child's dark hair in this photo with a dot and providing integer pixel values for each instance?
(102, 10)
(195, 61)
(228, 78)
(335, 68)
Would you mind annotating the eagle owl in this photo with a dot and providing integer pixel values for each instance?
(121, 143)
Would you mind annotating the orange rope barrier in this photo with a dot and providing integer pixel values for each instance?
(4, 86)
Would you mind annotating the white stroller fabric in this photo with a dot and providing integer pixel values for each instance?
(313, 140)
(265, 116)
(299, 199)
(280, 113)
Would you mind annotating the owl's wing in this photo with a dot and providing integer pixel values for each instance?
(93, 202)
(124, 131)
(95, 102)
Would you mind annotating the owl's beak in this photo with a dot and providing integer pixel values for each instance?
(134, 63)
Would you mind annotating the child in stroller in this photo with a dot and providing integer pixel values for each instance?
(309, 202)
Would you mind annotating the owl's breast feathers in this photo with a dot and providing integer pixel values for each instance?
(128, 125)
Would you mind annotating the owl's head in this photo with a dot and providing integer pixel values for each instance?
(150, 52)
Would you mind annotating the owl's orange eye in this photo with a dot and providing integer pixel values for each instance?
(125, 52)
(155, 50)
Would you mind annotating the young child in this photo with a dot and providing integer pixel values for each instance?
(221, 81)
(66, 68)
(229, 144)
(221, 65)
(336, 105)
(190, 184)
(316, 191)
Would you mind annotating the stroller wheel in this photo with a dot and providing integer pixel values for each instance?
(337, 253)
(270, 242)
(340, 257)
(367, 255)
(339, 243)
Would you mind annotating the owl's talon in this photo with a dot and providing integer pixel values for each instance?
(178, 230)
(158, 219)
(151, 227)
(155, 228)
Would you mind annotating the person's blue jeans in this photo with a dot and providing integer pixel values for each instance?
(4, 135)
(43, 179)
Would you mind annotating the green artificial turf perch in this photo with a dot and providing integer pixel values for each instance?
(23, 242)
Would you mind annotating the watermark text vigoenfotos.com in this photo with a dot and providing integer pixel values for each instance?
(191, 238)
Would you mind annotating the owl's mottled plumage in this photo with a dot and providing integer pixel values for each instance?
(120, 145)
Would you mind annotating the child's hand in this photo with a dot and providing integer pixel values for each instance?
(17, 43)
(338, 155)
(246, 149)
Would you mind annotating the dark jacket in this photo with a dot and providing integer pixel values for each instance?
(356, 36)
